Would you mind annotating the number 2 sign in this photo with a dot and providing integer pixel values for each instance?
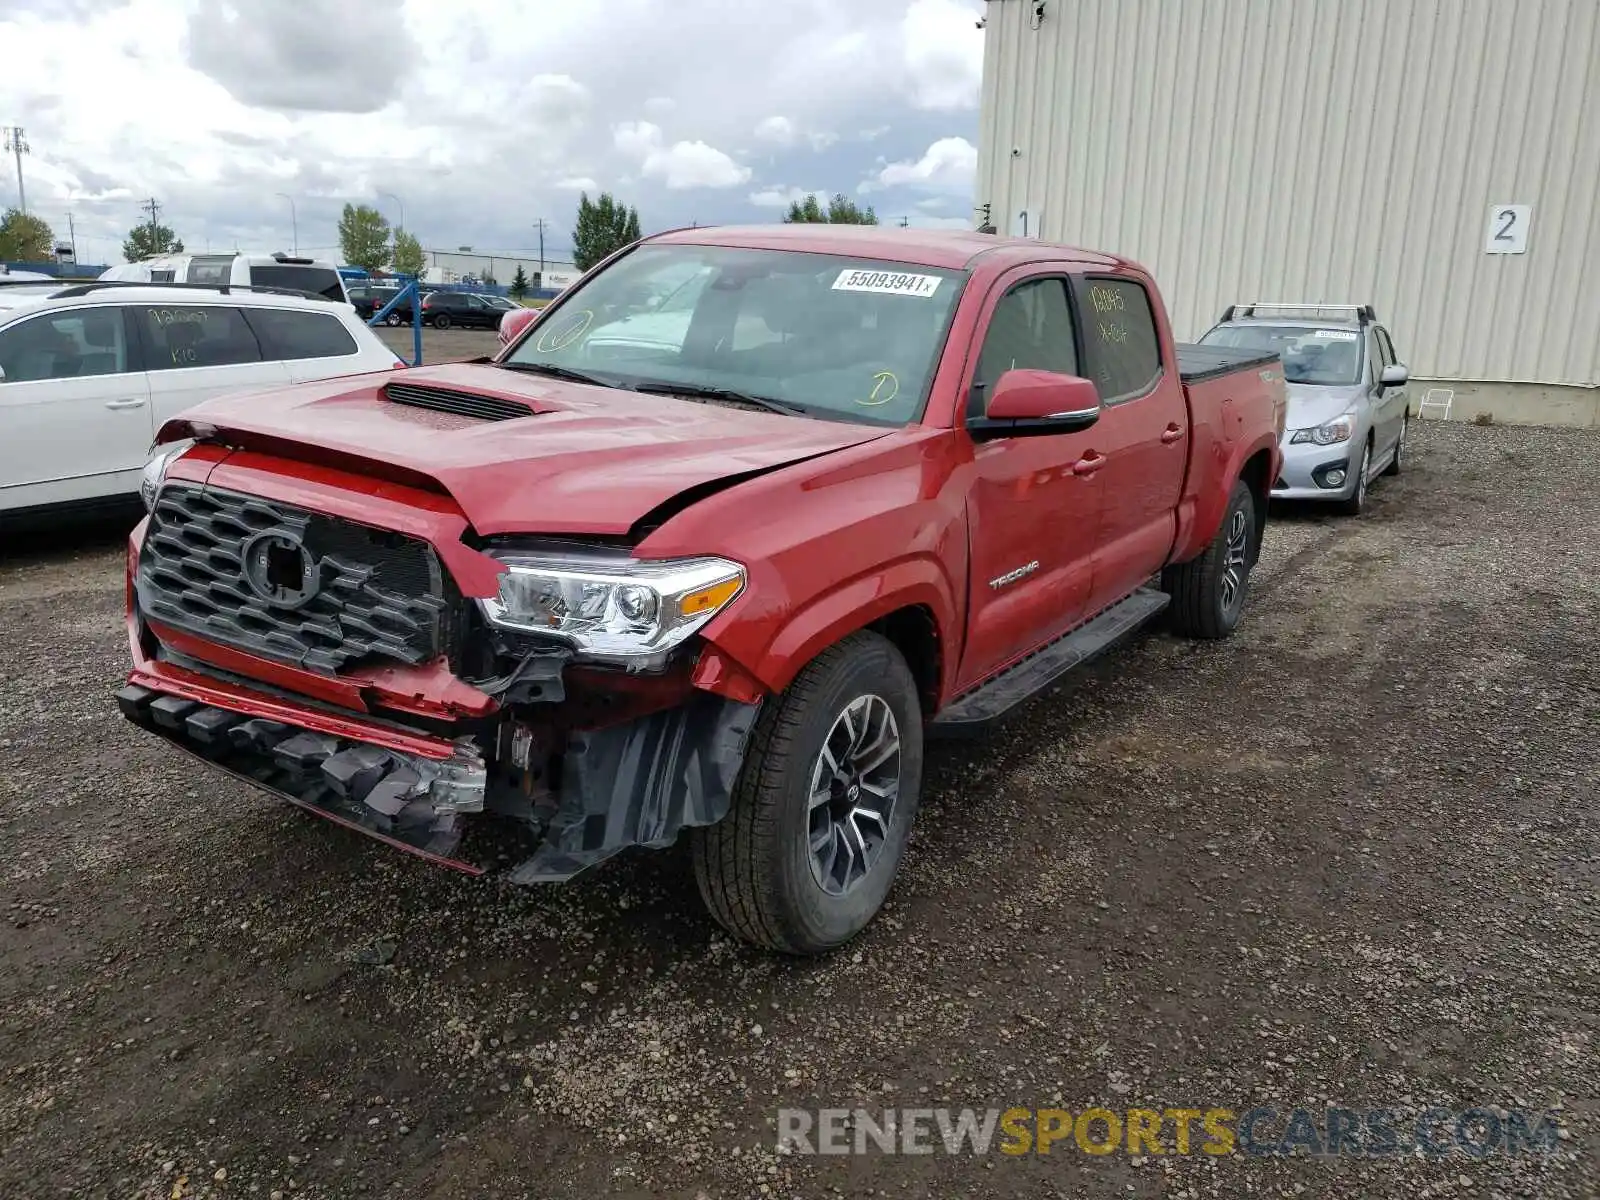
(1508, 228)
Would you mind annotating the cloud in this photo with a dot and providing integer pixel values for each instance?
(298, 56)
(782, 197)
(475, 124)
(948, 165)
(779, 131)
(680, 165)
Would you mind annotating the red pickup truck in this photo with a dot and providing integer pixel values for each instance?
(709, 547)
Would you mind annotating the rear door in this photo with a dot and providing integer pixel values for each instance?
(75, 420)
(1142, 433)
(195, 352)
(1031, 519)
(310, 345)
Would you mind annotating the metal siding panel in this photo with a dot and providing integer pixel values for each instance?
(1337, 150)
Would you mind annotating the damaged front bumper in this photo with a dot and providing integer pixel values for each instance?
(636, 783)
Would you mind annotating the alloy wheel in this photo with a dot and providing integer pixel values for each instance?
(855, 786)
(1236, 559)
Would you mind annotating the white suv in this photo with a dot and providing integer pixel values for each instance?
(89, 372)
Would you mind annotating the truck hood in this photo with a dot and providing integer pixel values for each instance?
(590, 460)
(1312, 404)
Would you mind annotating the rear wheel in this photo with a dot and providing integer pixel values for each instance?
(392, 319)
(823, 805)
(442, 321)
(1208, 592)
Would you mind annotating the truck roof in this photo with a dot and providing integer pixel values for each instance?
(953, 249)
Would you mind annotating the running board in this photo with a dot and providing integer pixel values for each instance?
(1020, 681)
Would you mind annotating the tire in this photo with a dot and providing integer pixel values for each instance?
(442, 321)
(392, 319)
(755, 868)
(1355, 504)
(1209, 591)
(1395, 467)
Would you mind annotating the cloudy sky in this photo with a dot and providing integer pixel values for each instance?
(479, 119)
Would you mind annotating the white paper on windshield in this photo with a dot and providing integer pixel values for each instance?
(1335, 335)
(894, 283)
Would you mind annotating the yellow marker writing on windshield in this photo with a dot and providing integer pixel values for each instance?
(885, 387)
(550, 340)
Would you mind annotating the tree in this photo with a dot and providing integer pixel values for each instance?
(364, 237)
(408, 256)
(519, 283)
(841, 210)
(25, 238)
(603, 227)
(147, 240)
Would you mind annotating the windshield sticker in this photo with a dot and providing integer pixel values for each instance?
(1335, 335)
(894, 283)
(559, 338)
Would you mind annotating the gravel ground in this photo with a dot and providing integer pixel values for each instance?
(440, 345)
(1349, 856)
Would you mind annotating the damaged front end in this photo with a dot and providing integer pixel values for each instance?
(531, 706)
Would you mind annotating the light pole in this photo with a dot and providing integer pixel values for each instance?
(294, 222)
(400, 203)
(17, 143)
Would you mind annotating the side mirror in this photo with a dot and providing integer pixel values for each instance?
(1031, 403)
(514, 322)
(1394, 375)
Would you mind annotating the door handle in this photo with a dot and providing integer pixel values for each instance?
(1171, 433)
(1089, 463)
(135, 402)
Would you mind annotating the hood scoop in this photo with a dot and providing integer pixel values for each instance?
(448, 400)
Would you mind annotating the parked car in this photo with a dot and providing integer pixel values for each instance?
(614, 590)
(89, 372)
(368, 298)
(278, 270)
(1349, 409)
(466, 309)
(513, 322)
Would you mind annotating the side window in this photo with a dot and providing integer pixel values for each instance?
(197, 336)
(286, 333)
(1374, 357)
(1120, 332)
(320, 281)
(67, 345)
(1385, 347)
(210, 268)
(1031, 329)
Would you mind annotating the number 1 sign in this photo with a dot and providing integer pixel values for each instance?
(1508, 228)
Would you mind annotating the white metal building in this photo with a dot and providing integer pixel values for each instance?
(1439, 159)
(453, 266)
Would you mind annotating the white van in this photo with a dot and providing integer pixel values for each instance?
(260, 270)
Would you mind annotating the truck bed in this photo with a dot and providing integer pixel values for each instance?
(1196, 363)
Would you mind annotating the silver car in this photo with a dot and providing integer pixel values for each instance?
(1348, 405)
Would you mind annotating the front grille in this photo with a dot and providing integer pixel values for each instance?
(290, 585)
(464, 404)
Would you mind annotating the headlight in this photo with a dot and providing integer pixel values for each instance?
(1335, 431)
(609, 606)
(155, 471)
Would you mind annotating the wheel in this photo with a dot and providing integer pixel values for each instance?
(1356, 502)
(392, 319)
(1397, 463)
(442, 321)
(823, 804)
(1208, 592)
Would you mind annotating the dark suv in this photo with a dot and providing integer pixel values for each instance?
(444, 309)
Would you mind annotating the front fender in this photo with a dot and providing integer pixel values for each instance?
(842, 610)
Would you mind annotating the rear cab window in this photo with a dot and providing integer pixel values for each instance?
(319, 281)
(1123, 347)
(287, 333)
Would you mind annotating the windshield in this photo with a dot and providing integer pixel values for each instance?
(840, 338)
(1326, 357)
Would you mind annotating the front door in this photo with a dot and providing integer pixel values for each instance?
(1143, 432)
(1391, 402)
(1033, 510)
(75, 419)
(198, 351)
